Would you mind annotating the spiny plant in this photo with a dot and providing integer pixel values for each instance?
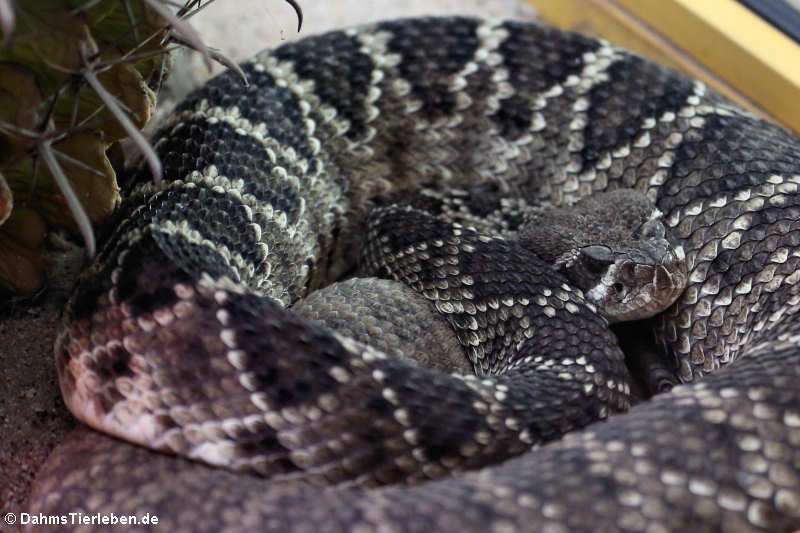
(76, 77)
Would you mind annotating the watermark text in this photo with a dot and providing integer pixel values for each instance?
(79, 518)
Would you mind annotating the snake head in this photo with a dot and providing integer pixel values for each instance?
(614, 247)
(632, 281)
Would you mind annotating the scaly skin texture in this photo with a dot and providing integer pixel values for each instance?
(178, 337)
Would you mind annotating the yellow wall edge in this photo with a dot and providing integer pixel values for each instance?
(719, 41)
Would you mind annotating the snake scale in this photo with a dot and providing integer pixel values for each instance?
(180, 337)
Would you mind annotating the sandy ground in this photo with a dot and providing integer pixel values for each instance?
(32, 417)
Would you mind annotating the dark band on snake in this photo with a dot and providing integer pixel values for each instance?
(365, 143)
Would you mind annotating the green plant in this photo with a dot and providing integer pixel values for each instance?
(76, 77)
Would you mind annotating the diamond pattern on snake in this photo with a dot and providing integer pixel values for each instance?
(488, 194)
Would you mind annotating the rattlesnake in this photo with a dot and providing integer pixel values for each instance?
(178, 335)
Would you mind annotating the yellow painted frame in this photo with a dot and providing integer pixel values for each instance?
(719, 41)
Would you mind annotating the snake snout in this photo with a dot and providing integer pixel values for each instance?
(655, 274)
(640, 281)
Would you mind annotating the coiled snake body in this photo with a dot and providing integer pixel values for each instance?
(178, 337)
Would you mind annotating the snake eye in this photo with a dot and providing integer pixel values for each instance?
(596, 258)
